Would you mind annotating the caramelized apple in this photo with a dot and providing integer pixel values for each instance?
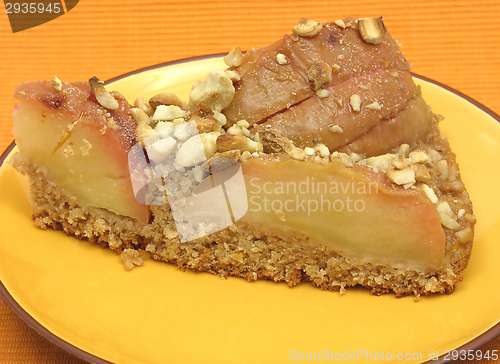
(359, 85)
(353, 210)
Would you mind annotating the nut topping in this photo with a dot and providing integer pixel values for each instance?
(282, 59)
(143, 104)
(372, 30)
(401, 176)
(197, 149)
(216, 92)
(227, 142)
(355, 103)
(166, 99)
(102, 95)
(297, 154)
(307, 28)
(274, 142)
(56, 82)
(319, 73)
(234, 58)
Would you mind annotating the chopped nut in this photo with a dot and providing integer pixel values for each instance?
(340, 57)
(465, 235)
(240, 128)
(307, 28)
(197, 149)
(434, 155)
(166, 99)
(355, 157)
(447, 217)
(227, 142)
(429, 192)
(168, 113)
(372, 30)
(322, 150)
(336, 129)
(443, 169)
(319, 73)
(455, 186)
(220, 117)
(400, 162)
(183, 131)
(422, 173)
(217, 91)
(139, 116)
(161, 149)
(282, 59)
(164, 129)
(297, 154)
(245, 156)
(343, 158)
(141, 103)
(401, 176)
(355, 103)
(403, 150)
(309, 151)
(206, 125)
(102, 95)
(335, 68)
(243, 123)
(57, 84)
(419, 157)
(470, 218)
(234, 58)
(381, 162)
(274, 141)
(323, 94)
(460, 213)
(340, 23)
(143, 129)
(374, 106)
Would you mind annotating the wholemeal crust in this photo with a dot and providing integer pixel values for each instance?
(247, 251)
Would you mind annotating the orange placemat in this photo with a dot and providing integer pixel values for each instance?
(454, 42)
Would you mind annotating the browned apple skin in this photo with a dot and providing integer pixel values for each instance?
(280, 95)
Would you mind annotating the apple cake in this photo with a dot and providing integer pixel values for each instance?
(314, 159)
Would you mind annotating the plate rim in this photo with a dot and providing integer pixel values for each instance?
(75, 351)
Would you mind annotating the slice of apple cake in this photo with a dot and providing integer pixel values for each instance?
(312, 159)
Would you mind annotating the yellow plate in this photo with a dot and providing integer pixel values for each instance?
(81, 297)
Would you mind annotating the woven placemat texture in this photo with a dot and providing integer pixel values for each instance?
(454, 42)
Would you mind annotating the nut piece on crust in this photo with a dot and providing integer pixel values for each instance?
(102, 95)
(273, 141)
(307, 28)
(319, 73)
(372, 30)
(166, 99)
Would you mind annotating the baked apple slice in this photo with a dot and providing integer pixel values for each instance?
(80, 145)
